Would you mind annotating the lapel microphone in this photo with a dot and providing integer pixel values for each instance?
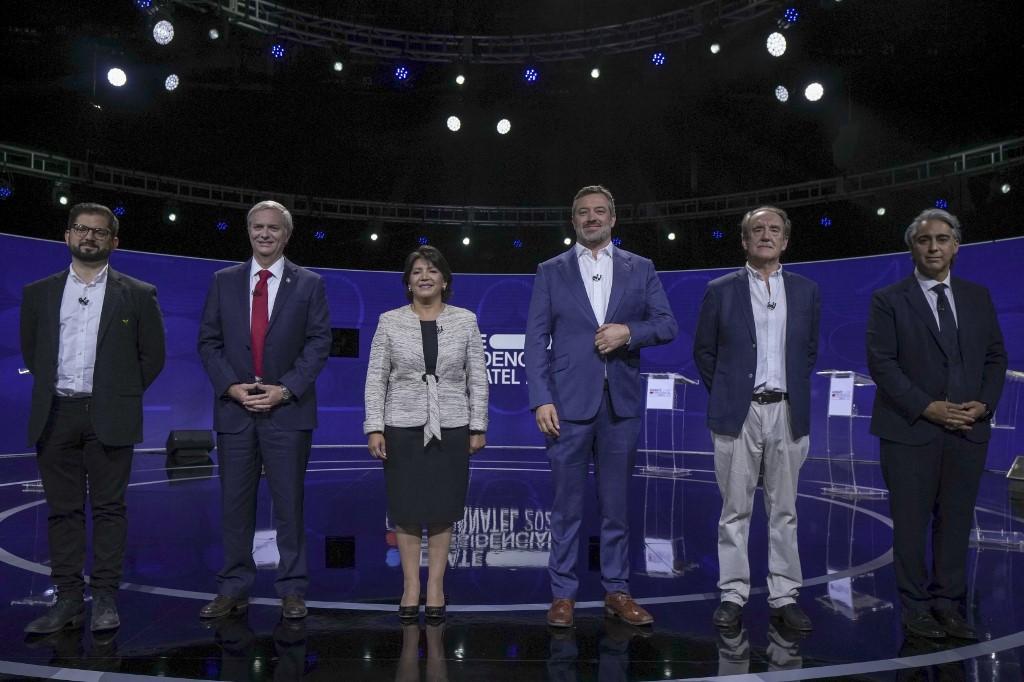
(439, 328)
(596, 278)
(771, 305)
(83, 300)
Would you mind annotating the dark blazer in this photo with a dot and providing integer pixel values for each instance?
(297, 344)
(129, 353)
(725, 349)
(908, 363)
(570, 375)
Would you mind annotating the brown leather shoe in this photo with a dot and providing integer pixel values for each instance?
(560, 613)
(622, 605)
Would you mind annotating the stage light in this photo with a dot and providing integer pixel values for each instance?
(531, 74)
(319, 235)
(616, 241)
(465, 241)
(171, 213)
(460, 80)
(1005, 188)
(880, 211)
(117, 77)
(373, 237)
(222, 226)
(517, 243)
(119, 209)
(791, 15)
(5, 190)
(338, 66)
(776, 44)
(423, 240)
(401, 72)
(671, 236)
(171, 82)
(567, 241)
(61, 194)
(941, 203)
(825, 221)
(454, 123)
(277, 51)
(143, 4)
(213, 34)
(814, 92)
(658, 58)
(715, 48)
(781, 93)
(163, 32)
(717, 234)
(504, 126)
(172, 217)
(595, 73)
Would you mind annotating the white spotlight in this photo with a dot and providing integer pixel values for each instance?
(373, 237)
(63, 200)
(213, 34)
(715, 48)
(781, 93)
(339, 66)
(776, 44)
(814, 91)
(880, 211)
(172, 217)
(117, 77)
(465, 241)
(171, 82)
(595, 72)
(163, 32)
(567, 241)
(671, 236)
(460, 80)
(504, 125)
(1006, 187)
(454, 123)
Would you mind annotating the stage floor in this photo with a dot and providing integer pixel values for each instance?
(498, 587)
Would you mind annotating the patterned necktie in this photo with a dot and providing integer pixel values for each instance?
(260, 319)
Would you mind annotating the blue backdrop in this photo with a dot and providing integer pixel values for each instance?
(182, 397)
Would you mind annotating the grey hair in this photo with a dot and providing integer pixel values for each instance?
(932, 214)
(268, 204)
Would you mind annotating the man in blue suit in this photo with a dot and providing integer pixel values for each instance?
(755, 347)
(596, 305)
(264, 337)
(936, 353)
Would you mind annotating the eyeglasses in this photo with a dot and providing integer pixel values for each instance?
(83, 230)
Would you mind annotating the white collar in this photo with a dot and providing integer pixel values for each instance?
(276, 268)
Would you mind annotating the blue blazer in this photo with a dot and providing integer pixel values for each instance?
(297, 344)
(570, 374)
(725, 349)
(908, 363)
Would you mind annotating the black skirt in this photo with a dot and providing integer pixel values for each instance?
(426, 485)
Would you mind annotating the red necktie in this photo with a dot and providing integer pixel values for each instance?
(260, 319)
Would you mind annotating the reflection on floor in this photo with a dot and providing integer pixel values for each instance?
(498, 587)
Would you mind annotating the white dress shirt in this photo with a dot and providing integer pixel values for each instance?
(80, 309)
(597, 278)
(273, 283)
(768, 300)
(933, 298)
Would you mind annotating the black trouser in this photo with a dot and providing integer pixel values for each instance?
(934, 483)
(71, 462)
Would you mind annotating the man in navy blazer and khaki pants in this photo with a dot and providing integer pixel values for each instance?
(936, 353)
(597, 305)
(755, 347)
(265, 335)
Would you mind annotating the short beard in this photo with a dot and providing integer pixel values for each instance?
(98, 256)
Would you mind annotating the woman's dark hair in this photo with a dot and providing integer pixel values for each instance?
(433, 256)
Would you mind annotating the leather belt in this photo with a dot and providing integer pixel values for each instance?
(769, 397)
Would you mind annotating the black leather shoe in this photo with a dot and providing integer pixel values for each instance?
(408, 615)
(727, 615)
(104, 612)
(293, 606)
(223, 605)
(923, 624)
(792, 616)
(65, 613)
(955, 625)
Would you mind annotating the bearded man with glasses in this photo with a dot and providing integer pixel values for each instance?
(93, 339)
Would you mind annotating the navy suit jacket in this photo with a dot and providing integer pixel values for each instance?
(129, 353)
(298, 342)
(725, 349)
(571, 373)
(908, 363)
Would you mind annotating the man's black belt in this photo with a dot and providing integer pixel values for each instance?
(769, 397)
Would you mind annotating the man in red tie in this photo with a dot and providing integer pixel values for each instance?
(264, 336)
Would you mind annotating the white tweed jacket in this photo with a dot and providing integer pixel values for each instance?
(397, 392)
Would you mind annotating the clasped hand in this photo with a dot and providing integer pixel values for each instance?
(610, 337)
(270, 397)
(955, 416)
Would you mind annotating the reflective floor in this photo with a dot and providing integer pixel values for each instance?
(497, 586)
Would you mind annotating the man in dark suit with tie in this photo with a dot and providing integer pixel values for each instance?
(755, 347)
(93, 339)
(264, 336)
(936, 353)
(596, 305)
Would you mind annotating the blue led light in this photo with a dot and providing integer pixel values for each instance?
(530, 74)
(222, 225)
(792, 15)
(277, 51)
(825, 221)
(941, 203)
(143, 4)
(320, 235)
(616, 241)
(401, 72)
(717, 234)
(658, 58)
(5, 191)
(119, 209)
(423, 241)
(517, 244)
